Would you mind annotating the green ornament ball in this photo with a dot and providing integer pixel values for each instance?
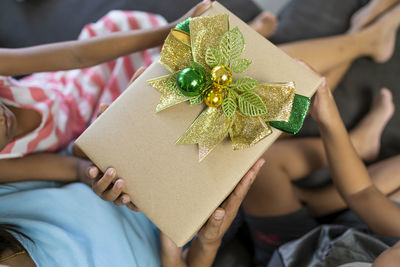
(190, 82)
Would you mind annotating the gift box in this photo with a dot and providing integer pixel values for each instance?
(165, 178)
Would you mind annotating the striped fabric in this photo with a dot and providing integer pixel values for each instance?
(68, 101)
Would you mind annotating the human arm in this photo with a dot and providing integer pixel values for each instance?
(204, 248)
(349, 174)
(85, 53)
(44, 167)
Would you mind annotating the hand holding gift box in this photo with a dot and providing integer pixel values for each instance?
(165, 180)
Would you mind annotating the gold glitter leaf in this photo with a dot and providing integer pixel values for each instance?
(229, 106)
(240, 65)
(213, 57)
(196, 100)
(171, 83)
(250, 104)
(198, 66)
(245, 84)
(231, 45)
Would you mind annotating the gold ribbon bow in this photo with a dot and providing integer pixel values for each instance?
(180, 50)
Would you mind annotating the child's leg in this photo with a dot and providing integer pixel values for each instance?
(296, 158)
(273, 212)
(324, 54)
(384, 174)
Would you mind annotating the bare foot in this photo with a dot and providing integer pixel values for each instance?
(265, 24)
(370, 12)
(381, 35)
(366, 136)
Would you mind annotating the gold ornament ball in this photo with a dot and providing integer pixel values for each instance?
(221, 76)
(213, 97)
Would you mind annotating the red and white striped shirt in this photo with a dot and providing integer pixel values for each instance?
(68, 101)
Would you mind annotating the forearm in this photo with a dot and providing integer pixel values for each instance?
(43, 166)
(353, 182)
(348, 171)
(79, 53)
(201, 255)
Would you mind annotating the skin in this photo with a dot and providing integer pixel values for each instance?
(16, 122)
(203, 250)
(349, 174)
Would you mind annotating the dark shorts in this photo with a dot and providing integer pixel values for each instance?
(268, 233)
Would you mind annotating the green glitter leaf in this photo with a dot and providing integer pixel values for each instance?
(229, 107)
(213, 57)
(198, 66)
(171, 83)
(240, 65)
(184, 25)
(196, 100)
(250, 104)
(245, 84)
(231, 45)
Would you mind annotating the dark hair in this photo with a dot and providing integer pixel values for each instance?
(8, 241)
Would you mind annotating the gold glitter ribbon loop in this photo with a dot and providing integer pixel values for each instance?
(206, 32)
(213, 125)
(278, 98)
(176, 53)
(208, 130)
(168, 97)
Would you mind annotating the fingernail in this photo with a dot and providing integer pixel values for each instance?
(111, 172)
(219, 214)
(93, 172)
(120, 184)
(260, 163)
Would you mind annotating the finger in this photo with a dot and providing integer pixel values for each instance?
(102, 108)
(171, 255)
(307, 66)
(202, 7)
(168, 246)
(122, 200)
(212, 230)
(232, 204)
(137, 74)
(113, 193)
(101, 185)
(92, 172)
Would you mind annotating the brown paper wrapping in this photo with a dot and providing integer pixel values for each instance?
(165, 180)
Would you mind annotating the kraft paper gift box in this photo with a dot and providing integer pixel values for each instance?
(164, 179)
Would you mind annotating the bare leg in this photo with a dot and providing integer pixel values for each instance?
(272, 187)
(368, 14)
(335, 75)
(384, 174)
(360, 19)
(295, 158)
(325, 54)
